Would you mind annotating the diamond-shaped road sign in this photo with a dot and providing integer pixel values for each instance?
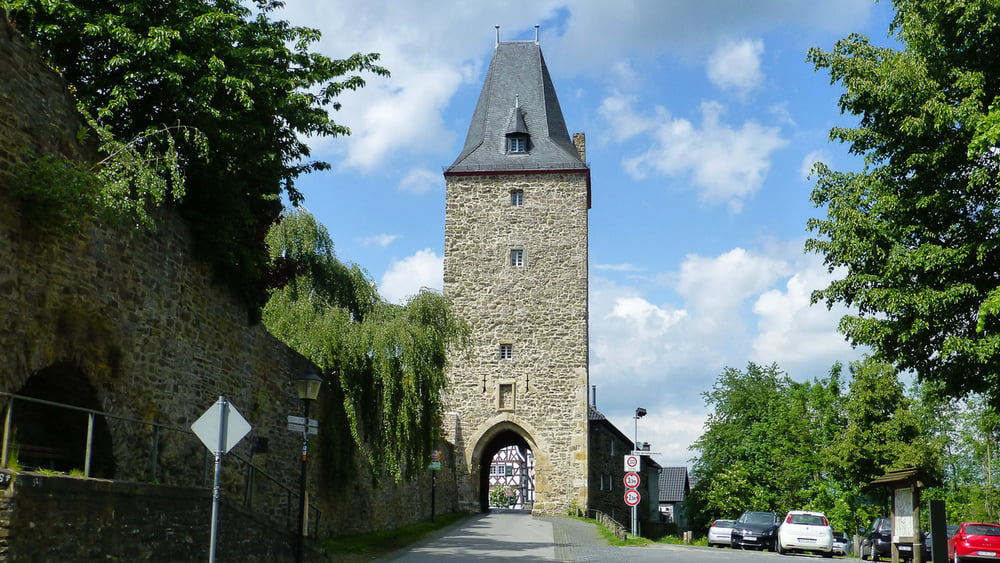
(209, 424)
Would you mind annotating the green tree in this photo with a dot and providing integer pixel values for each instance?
(384, 363)
(970, 429)
(914, 234)
(249, 84)
(883, 430)
(757, 451)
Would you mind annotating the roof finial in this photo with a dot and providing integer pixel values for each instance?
(498, 33)
(517, 100)
(536, 33)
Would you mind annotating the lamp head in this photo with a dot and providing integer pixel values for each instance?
(307, 385)
(640, 412)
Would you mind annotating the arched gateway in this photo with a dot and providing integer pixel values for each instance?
(515, 268)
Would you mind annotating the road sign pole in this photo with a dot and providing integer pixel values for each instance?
(223, 415)
(635, 523)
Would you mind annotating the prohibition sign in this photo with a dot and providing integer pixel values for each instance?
(631, 463)
(632, 497)
(631, 480)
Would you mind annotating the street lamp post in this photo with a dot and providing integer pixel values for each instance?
(639, 413)
(307, 387)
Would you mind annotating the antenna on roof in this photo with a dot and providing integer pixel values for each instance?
(498, 33)
(536, 34)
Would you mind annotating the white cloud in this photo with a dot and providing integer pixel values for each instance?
(735, 66)
(617, 110)
(793, 333)
(727, 165)
(407, 277)
(810, 160)
(727, 310)
(426, 47)
(380, 240)
(420, 181)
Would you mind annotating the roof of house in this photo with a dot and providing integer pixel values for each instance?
(674, 484)
(517, 98)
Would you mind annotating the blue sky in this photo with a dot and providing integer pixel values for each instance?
(702, 121)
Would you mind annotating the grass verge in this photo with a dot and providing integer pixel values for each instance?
(368, 547)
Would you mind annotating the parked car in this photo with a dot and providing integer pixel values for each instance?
(755, 530)
(720, 533)
(806, 532)
(974, 542)
(876, 541)
(841, 544)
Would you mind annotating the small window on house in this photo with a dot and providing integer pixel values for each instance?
(517, 198)
(517, 257)
(517, 144)
(506, 351)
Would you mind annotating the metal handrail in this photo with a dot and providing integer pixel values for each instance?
(610, 523)
(252, 471)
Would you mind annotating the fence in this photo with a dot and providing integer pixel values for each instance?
(256, 483)
(610, 523)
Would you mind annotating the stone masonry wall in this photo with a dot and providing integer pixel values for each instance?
(141, 317)
(62, 518)
(539, 308)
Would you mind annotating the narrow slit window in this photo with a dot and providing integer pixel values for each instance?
(517, 257)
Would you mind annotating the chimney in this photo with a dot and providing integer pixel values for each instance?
(593, 403)
(580, 142)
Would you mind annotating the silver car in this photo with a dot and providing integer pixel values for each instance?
(720, 533)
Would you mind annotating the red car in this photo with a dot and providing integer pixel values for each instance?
(975, 542)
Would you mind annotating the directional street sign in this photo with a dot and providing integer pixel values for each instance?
(632, 480)
(298, 424)
(209, 425)
(632, 497)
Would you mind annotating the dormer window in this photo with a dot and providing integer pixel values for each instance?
(517, 131)
(517, 144)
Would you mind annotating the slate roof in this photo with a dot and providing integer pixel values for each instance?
(674, 484)
(517, 97)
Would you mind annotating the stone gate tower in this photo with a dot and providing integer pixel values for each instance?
(515, 268)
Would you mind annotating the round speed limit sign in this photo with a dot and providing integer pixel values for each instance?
(631, 480)
(632, 497)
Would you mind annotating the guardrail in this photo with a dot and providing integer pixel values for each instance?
(256, 481)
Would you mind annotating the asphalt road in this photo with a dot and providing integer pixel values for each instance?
(504, 535)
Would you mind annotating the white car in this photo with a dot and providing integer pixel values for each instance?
(720, 532)
(806, 532)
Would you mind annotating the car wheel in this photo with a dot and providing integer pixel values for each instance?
(778, 548)
(862, 552)
(827, 554)
(874, 552)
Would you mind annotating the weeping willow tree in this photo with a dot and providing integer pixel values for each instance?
(384, 363)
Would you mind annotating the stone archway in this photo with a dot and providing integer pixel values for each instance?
(506, 437)
(55, 438)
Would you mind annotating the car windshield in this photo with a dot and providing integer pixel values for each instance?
(982, 530)
(759, 518)
(724, 523)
